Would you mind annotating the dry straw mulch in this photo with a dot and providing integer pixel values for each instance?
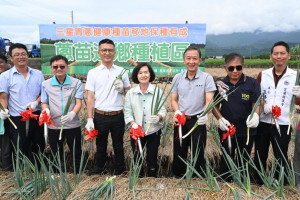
(163, 188)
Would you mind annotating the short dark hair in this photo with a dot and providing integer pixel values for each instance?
(58, 57)
(3, 57)
(15, 46)
(192, 48)
(137, 69)
(281, 43)
(106, 41)
(232, 56)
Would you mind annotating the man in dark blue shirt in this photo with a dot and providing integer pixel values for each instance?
(236, 108)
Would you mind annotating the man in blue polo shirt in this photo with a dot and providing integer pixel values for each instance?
(192, 92)
(20, 88)
(236, 108)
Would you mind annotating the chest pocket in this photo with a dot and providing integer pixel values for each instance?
(245, 96)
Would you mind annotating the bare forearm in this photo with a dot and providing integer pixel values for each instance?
(45, 105)
(90, 104)
(216, 112)
(174, 102)
(3, 99)
(77, 106)
(38, 100)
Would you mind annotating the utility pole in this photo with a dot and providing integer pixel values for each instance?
(72, 16)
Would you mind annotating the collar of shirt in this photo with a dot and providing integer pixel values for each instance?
(101, 67)
(197, 75)
(276, 77)
(14, 70)
(54, 81)
(150, 89)
(242, 80)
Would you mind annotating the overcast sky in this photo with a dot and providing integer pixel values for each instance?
(19, 19)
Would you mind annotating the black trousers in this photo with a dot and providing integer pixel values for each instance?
(115, 125)
(152, 142)
(6, 148)
(266, 134)
(237, 142)
(297, 158)
(197, 137)
(72, 136)
(33, 142)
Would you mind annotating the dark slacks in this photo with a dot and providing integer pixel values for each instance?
(197, 139)
(72, 136)
(152, 142)
(237, 142)
(33, 142)
(266, 134)
(297, 158)
(6, 147)
(115, 125)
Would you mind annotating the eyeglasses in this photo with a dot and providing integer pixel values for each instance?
(56, 67)
(17, 55)
(238, 68)
(107, 50)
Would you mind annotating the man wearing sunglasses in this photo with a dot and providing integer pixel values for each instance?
(278, 85)
(107, 105)
(55, 94)
(236, 108)
(20, 89)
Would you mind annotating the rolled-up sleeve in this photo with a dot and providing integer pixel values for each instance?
(79, 92)
(125, 80)
(3, 84)
(44, 95)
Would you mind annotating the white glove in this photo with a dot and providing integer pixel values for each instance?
(134, 125)
(267, 108)
(47, 111)
(202, 120)
(119, 86)
(253, 123)
(4, 114)
(89, 125)
(68, 117)
(32, 105)
(296, 90)
(153, 119)
(224, 124)
(176, 112)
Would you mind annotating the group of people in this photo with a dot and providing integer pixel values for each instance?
(192, 92)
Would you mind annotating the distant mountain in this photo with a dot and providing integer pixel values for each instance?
(247, 43)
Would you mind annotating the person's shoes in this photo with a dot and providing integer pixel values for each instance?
(95, 171)
(117, 173)
(152, 172)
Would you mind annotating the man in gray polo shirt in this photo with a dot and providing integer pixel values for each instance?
(191, 94)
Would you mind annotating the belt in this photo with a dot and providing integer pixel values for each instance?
(108, 113)
(191, 117)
